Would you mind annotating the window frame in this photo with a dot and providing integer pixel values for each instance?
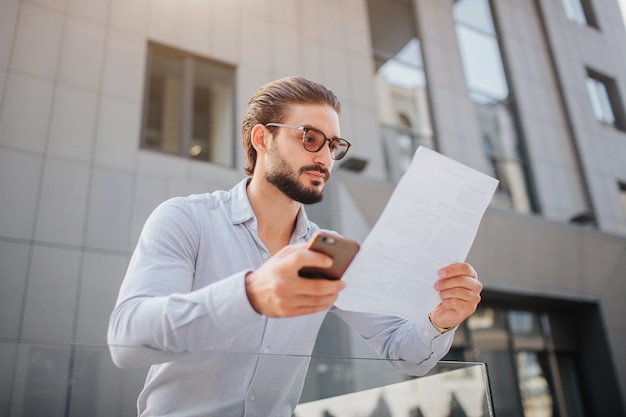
(585, 15)
(613, 97)
(190, 63)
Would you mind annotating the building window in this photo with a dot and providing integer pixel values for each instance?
(488, 89)
(534, 358)
(403, 110)
(605, 101)
(580, 12)
(188, 106)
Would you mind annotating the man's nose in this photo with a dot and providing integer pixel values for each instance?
(323, 156)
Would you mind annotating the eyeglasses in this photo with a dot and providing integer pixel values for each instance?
(314, 139)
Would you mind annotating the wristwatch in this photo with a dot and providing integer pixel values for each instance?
(441, 330)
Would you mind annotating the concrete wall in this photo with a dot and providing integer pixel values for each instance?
(75, 188)
(602, 149)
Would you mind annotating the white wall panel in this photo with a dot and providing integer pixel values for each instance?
(37, 41)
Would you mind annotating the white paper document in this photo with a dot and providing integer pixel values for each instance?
(430, 221)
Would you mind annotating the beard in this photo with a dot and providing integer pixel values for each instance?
(286, 179)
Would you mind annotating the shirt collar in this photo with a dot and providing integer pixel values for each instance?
(241, 211)
(240, 208)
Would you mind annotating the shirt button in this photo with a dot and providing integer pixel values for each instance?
(252, 397)
(265, 255)
(266, 350)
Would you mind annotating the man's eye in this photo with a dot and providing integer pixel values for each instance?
(309, 139)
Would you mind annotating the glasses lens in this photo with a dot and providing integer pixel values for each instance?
(312, 140)
(338, 149)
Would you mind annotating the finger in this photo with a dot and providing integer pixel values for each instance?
(458, 269)
(305, 257)
(318, 287)
(463, 308)
(299, 305)
(288, 261)
(292, 284)
(464, 281)
(460, 294)
(322, 301)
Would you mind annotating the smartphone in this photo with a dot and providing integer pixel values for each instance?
(341, 249)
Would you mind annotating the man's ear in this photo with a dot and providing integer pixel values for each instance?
(259, 136)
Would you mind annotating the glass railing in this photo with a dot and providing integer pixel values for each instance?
(378, 389)
(45, 378)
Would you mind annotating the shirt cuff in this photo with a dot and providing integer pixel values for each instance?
(438, 343)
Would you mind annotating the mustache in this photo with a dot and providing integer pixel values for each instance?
(317, 168)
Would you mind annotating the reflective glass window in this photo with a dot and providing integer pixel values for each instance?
(490, 343)
(544, 357)
(475, 14)
(532, 370)
(579, 11)
(188, 106)
(402, 100)
(162, 109)
(482, 64)
(526, 330)
(600, 101)
(488, 89)
(572, 393)
(605, 100)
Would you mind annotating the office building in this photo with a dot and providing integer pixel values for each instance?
(109, 107)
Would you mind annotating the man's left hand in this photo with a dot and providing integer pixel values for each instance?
(459, 289)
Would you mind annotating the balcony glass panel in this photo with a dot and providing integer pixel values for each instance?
(56, 378)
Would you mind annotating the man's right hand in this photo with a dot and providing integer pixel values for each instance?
(276, 289)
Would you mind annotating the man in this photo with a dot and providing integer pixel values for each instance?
(212, 299)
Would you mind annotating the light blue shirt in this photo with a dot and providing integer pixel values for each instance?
(183, 310)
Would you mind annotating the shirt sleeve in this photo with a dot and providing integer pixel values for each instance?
(158, 316)
(413, 348)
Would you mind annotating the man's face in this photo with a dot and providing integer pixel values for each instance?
(298, 173)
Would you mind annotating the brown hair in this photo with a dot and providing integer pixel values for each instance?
(270, 103)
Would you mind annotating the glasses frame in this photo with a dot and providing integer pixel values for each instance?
(340, 142)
